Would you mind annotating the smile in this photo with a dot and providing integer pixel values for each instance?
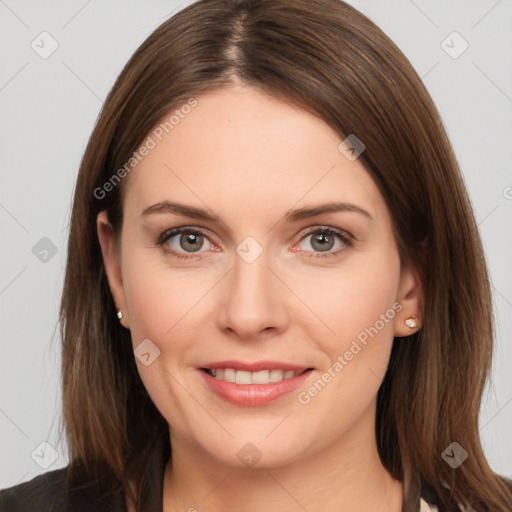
(245, 377)
(253, 389)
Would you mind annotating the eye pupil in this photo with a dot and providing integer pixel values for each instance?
(325, 240)
(191, 239)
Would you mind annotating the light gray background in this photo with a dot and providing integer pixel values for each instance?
(48, 108)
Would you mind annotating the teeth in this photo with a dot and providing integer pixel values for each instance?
(260, 377)
(244, 377)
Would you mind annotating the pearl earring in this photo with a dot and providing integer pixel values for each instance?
(411, 322)
(119, 314)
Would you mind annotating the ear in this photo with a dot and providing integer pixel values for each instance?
(112, 265)
(410, 296)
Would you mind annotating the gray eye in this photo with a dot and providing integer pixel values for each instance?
(191, 242)
(322, 241)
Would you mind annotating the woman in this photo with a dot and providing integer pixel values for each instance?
(275, 296)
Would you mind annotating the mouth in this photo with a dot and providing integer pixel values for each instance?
(258, 377)
(246, 388)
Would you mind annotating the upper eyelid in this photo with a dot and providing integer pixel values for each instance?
(319, 227)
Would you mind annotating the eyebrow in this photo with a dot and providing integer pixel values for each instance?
(293, 215)
(179, 209)
(307, 212)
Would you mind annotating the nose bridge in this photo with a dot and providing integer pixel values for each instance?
(254, 298)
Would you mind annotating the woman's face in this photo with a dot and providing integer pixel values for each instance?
(258, 276)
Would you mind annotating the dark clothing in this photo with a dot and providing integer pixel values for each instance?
(47, 493)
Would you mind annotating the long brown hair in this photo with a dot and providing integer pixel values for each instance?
(327, 58)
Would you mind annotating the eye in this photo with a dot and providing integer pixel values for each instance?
(323, 240)
(183, 242)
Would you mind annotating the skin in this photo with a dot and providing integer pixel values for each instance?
(250, 158)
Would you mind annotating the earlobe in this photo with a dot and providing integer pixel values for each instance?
(410, 296)
(112, 265)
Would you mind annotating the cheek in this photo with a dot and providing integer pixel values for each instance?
(363, 319)
(165, 307)
(361, 312)
(359, 306)
(368, 310)
(160, 298)
(355, 301)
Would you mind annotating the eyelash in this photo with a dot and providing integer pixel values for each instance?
(343, 236)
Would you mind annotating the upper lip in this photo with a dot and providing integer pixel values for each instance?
(255, 366)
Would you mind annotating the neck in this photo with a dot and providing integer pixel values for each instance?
(347, 474)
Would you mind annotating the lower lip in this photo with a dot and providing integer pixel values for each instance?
(253, 395)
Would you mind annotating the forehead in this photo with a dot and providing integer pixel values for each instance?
(238, 149)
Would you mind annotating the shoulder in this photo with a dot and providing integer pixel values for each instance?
(47, 490)
(48, 493)
(430, 501)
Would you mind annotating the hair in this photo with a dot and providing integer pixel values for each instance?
(327, 58)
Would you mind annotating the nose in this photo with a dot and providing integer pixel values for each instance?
(253, 301)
